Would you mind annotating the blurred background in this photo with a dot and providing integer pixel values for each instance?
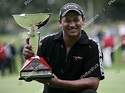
(104, 22)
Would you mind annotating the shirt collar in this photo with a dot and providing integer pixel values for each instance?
(83, 39)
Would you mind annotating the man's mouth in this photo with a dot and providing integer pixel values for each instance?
(72, 29)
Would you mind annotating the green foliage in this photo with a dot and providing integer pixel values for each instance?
(108, 10)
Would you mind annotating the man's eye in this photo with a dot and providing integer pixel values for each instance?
(67, 21)
(76, 20)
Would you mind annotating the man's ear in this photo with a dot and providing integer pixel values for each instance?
(83, 19)
(60, 22)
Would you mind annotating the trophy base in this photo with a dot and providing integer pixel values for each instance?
(36, 77)
(35, 68)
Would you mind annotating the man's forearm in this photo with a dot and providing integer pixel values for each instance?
(78, 85)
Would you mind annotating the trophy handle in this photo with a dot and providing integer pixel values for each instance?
(40, 24)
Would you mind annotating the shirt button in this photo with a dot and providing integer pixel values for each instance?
(47, 58)
(61, 46)
(62, 71)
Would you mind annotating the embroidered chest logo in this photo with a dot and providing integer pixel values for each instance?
(78, 57)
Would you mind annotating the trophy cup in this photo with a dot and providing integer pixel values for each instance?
(34, 67)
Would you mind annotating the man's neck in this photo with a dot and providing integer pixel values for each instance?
(70, 41)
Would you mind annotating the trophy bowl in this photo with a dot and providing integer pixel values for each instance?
(25, 20)
(35, 67)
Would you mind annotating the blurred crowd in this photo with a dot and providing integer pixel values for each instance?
(110, 39)
(7, 58)
(8, 54)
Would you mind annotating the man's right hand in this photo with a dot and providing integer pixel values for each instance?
(27, 51)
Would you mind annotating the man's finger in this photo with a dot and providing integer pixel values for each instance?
(28, 47)
(28, 52)
(28, 80)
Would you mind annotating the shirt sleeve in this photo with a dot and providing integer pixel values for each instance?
(93, 63)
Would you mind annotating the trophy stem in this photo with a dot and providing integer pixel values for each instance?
(34, 36)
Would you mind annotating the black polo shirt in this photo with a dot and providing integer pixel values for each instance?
(83, 60)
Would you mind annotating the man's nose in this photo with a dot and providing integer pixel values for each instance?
(72, 23)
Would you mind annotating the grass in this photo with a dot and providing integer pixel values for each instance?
(11, 84)
(113, 83)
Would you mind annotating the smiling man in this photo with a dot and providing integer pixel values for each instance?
(76, 60)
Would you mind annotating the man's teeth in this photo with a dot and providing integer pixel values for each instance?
(72, 29)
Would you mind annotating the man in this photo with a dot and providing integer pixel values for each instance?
(76, 60)
(2, 59)
(121, 28)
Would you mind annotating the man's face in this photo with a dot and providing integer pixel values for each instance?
(72, 24)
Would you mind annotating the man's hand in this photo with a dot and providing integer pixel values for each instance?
(28, 80)
(53, 82)
(27, 51)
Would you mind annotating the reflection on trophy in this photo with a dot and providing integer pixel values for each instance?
(34, 67)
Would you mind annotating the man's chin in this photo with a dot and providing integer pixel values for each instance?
(73, 34)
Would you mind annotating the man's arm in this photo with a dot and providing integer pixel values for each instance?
(74, 85)
(81, 84)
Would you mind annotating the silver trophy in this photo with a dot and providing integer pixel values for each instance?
(34, 67)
